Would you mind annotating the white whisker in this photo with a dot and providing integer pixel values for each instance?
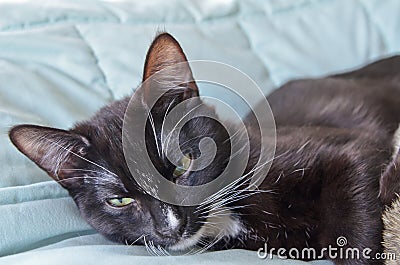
(154, 132)
(81, 157)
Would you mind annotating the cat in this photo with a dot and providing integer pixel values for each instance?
(331, 177)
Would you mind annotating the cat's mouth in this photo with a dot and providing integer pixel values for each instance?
(188, 241)
(214, 229)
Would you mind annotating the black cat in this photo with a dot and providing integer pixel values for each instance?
(334, 142)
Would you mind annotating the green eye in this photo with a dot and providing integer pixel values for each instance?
(184, 166)
(120, 202)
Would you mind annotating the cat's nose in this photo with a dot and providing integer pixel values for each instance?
(170, 229)
(167, 223)
(167, 232)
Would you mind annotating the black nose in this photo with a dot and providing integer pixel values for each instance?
(167, 232)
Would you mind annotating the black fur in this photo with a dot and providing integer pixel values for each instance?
(334, 141)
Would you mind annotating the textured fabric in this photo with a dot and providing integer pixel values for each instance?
(60, 61)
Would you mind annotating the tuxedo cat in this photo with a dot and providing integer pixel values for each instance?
(333, 172)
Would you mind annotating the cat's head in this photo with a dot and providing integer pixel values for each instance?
(88, 161)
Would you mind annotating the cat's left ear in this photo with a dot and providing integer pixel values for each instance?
(173, 75)
(56, 151)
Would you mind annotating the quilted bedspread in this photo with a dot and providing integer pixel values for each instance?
(60, 61)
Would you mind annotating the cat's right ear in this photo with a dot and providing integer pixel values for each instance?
(55, 151)
(167, 70)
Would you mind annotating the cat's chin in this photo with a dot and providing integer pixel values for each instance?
(215, 228)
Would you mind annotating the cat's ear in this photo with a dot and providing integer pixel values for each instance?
(55, 151)
(166, 55)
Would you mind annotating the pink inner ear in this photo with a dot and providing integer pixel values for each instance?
(163, 52)
(51, 149)
(166, 66)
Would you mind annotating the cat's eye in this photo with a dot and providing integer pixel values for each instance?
(120, 202)
(183, 167)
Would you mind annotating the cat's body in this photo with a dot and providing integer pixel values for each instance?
(336, 135)
(334, 141)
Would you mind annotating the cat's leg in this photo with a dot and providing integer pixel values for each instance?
(361, 247)
(351, 223)
(390, 180)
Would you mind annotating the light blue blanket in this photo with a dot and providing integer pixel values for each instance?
(60, 61)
